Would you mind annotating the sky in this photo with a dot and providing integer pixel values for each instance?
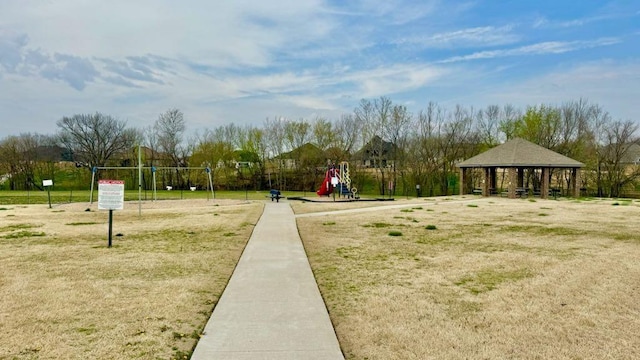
(244, 61)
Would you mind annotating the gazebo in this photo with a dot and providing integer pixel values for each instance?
(515, 156)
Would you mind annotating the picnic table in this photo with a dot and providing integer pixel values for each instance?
(520, 192)
(275, 194)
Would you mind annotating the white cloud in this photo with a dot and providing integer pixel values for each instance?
(578, 22)
(468, 37)
(237, 33)
(392, 11)
(394, 79)
(309, 102)
(548, 47)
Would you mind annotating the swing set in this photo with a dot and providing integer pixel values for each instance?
(154, 170)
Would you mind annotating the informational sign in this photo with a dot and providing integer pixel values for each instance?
(110, 195)
(335, 181)
(48, 184)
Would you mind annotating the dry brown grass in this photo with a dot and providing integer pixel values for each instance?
(326, 204)
(65, 295)
(496, 278)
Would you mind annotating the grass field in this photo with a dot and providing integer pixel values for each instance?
(65, 295)
(435, 278)
(472, 278)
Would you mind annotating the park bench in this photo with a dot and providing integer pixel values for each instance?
(275, 194)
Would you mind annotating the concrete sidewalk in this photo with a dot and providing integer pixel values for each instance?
(271, 308)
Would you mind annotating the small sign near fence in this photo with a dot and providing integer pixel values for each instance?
(48, 184)
(110, 197)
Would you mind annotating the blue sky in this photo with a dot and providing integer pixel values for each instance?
(246, 60)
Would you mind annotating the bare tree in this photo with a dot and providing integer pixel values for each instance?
(151, 142)
(453, 139)
(423, 152)
(397, 132)
(94, 139)
(488, 126)
(507, 123)
(170, 127)
(297, 133)
(275, 141)
(231, 134)
(323, 133)
(619, 136)
(12, 161)
(348, 131)
(169, 130)
(375, 117)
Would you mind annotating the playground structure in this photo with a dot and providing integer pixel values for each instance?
(337, 178)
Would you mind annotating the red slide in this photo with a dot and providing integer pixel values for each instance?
(325, 188)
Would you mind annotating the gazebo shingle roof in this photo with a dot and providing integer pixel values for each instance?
(520, 153)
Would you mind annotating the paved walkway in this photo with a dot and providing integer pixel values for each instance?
(271, 308)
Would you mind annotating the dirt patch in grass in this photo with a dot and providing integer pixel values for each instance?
(64, 294)
(503, 282)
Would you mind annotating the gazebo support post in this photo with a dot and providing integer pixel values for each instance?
(513, 178)
(520, 177)
(486, 182)
(544, 188)
(493, 180)
(463, 172)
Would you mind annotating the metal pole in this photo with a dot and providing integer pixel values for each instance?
(110, 225)
(93, 178)
(213, 193)
(155, 193)
(139, 181)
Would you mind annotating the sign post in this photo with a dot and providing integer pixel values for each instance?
(48, 184)
(110, 197)
(334, 183)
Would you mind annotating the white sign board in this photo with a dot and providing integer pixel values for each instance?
(110, 195)
(334, 181)
(47, 182)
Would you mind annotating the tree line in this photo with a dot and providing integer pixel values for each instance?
(390, 148)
